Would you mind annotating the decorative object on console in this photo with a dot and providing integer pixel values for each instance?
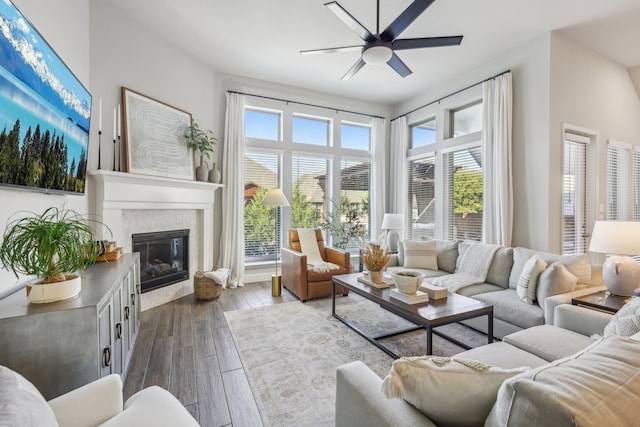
(152, 137)
(276, 198)
(407, 282)
(51, 246)
(203, 141)
(620, 273)
(375, 258)
(393, 223)
(215, 175)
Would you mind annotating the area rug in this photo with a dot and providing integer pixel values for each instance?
(290, 353)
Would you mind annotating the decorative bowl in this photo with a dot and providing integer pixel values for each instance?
(407, 281)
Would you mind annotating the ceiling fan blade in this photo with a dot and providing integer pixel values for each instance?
(350, 21)
(333, 50)
(404, 44)
(405, 19)
(401, 68)
(353, 70)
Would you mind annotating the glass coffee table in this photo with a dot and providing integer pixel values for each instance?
(428, 315)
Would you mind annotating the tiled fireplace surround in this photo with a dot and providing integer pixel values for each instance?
(130, 203)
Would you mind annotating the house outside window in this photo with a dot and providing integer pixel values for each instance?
(319, 157)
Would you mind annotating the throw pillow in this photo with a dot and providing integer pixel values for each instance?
(420, 254)
(626, 322)
(431, 382)
(528, 279)
(556, 279)
(21, 404)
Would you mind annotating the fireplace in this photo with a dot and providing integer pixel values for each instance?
(164, 257)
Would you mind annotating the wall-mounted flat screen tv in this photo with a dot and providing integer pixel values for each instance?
(44, 112)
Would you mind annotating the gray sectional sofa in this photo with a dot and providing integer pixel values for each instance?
(571, 379)
(511, 314)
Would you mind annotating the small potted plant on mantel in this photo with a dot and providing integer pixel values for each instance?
(203, 141)
(52, 246)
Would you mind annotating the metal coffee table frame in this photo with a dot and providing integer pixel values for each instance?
(424, 315)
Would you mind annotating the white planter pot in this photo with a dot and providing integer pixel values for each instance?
(39, 293)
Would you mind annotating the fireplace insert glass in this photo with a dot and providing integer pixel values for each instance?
(164, 257)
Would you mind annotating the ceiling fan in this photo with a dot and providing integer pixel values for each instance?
(380, 47)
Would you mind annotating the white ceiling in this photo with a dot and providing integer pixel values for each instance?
(262, 38)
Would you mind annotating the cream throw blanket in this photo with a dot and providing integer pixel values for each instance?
(474, 267)
(309, 247)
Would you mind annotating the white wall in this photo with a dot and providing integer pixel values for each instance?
(529, 65)
(71, 43)
(591, 92)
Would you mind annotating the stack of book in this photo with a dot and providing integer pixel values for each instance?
(385, 282)
(416, 298)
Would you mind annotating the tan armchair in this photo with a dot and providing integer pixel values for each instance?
(304, 282)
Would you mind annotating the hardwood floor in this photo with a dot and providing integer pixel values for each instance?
(186, 347)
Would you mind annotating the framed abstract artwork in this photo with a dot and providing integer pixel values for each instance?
(152, 137)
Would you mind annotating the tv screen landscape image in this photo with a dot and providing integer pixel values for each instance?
(45, 112)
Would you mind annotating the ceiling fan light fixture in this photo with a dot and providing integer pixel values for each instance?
(377, 54)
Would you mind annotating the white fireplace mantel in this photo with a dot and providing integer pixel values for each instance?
(119, 191)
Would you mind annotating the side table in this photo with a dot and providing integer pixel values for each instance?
(601, 301)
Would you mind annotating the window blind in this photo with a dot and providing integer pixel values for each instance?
(421, 209)
(636, 184)
(574, 195)
(618, 181)
(309, 182)
(354, 194)
(464, 194)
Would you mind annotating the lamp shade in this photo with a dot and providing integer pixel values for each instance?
(392, 222)
(275, 197)
(616, 237)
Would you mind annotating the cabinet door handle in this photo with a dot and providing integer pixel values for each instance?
(126, 312)
(133, 299)
(118, 330)
(106, 356)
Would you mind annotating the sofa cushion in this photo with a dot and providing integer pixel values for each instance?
(578, 265)
(548, 342)
(526, 288)
(508, 307)
(430, 382)
(478, 288)
(21, 404)
(503, 355)
(597, 386)
(556, 279)
(420, 254)
(446, 254)
(500, 266)
(626, 322)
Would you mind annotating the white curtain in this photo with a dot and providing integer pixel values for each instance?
(232, 236)
(497, 221)
(398, 166)
(377, 203)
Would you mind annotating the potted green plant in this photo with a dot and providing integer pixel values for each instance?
(51, 246)
(203, 141)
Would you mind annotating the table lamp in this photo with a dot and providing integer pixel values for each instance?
(621, 273)
(393, 223)
(275, 197)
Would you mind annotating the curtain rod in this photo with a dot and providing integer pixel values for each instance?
(451, 94)
(306, 104)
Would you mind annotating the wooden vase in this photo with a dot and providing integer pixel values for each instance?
(376, 276)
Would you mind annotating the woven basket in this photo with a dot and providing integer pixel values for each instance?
(205, 289)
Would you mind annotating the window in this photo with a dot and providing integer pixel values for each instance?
(445, 170)
(297, 148)
(574, 195)
(356, 137)
(618, 180)
(310, 130)
(464, 190)
(466, 120)
(261, 172)
(636, 184)
(423, 134)
(422, 198)
(262, 125)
